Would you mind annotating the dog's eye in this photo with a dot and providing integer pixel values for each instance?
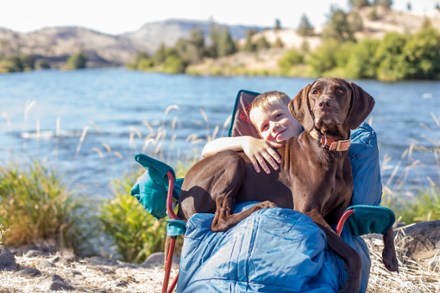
(314, 92)
(340, 91)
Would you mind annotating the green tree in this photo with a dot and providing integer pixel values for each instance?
(278, 43)
(356, 22)
(305, 28)
(338, 27)
(76, 61)
(384, 3)
(160, 55)
(358, 3)
(289, 59)
(249, 45)
(422, 53)
(360, 63)
(173, 63)
(226, 45)
(323, 58)
(389, 60)
(372, 15)
(214, 35)
(277, 24)
(262, 44)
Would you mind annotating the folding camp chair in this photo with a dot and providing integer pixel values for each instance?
(157, 191)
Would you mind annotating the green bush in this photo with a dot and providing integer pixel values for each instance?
(136, 233)
(391, 65)
(76, 61)
(323, 58)
(35, 206)
(422, 53)
(425, 206)
(289, 59)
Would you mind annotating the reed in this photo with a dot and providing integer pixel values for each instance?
(422, 203)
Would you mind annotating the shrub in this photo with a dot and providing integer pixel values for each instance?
(323, 58)
(136, 233)
(289, 59)
(425, 206)
(76, 61)
(35, 205)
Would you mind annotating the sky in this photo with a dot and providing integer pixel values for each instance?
(115, 17)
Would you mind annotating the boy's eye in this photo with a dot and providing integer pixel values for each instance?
(264, 127)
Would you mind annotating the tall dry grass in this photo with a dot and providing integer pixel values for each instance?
(35, 206)
(423, 202)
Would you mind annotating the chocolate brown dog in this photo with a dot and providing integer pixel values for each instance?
(314, 177)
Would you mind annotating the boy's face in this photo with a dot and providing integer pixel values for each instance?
(275, 123)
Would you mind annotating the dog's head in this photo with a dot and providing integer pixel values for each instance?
(331, 105)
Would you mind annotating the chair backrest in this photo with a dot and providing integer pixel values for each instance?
(240, 122)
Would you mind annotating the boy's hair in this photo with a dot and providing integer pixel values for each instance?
(266, 99)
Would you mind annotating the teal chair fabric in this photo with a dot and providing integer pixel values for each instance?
(151, 188)
(369, 219)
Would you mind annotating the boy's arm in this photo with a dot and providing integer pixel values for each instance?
(257, 150)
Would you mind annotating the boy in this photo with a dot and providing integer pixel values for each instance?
(270, 115)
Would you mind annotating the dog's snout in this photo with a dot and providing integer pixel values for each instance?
(324, 103)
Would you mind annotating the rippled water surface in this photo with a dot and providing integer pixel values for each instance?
(89, 124)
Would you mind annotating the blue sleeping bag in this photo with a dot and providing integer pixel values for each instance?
(279, 250)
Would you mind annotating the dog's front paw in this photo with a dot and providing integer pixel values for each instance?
(389, 259)
(267, 205)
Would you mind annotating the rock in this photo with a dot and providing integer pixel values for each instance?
(99, 260)
(56, 283)
(157, 259)
(34, 253)
(7, 260)
(67, 255)
(423, 243)
(28, 272)
(45, 264)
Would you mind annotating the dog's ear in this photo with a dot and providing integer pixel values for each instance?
(361, 106)
(299, 107)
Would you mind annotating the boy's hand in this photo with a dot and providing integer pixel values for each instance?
(261, 153)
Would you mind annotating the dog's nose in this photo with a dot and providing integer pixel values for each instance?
(324, 103)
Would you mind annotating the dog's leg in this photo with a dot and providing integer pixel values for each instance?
(224, 219)
(224, 191)
(389, 252)
(343, 250)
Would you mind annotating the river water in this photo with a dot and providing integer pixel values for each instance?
(89, 124)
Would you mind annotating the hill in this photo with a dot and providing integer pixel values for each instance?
(56, 44)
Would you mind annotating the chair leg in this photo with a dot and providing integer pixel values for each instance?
(173, 285)
(168, 264)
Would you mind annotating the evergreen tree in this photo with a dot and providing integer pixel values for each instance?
(249, 45)
(277, 24)
(338, 27)
(305, 28)
(76, 61)
(226, 45)
(278, 43)
(214, 35)
(384, 3)
(358, 3)
(262, 44)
